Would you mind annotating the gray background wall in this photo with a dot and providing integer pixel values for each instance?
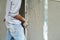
(2, 25)
(35, 17)
(54, 20)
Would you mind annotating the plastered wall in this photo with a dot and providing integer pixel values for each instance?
(35, 17)
(54, 20)
(2, 25)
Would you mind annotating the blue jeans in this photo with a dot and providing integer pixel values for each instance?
(16, 31)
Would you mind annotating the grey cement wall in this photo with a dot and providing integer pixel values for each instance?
(35, 17)
(54, 20)
(2, 25)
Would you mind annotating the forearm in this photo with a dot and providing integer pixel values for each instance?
(19, 17)
(24, 22)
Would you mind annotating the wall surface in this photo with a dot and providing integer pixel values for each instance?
(54, 20)
(2, 25)
(35, 17)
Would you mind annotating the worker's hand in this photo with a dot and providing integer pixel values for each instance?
(25, 23)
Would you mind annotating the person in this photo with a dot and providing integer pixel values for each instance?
(13, 21)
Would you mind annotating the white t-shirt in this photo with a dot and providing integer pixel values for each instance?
(12, 9)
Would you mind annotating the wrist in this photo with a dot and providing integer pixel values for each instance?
(23, 20)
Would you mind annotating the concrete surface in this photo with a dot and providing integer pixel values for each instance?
(2, 25)
(54, 18)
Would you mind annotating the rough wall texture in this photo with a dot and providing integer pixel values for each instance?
(2, 25)
(35, 17)
(54, 24)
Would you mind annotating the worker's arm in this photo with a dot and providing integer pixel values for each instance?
(24, 22)
(19, 17)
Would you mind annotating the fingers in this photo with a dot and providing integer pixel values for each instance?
(25, 24)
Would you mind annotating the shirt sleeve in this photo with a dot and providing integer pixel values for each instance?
(15, 6)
